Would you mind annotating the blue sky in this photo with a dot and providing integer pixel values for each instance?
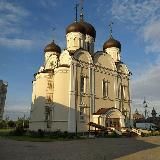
(26, 27)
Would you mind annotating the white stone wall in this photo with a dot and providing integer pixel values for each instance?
(66, 75)
(51, 60)
(89, 44)
(75, 40)
(114, 52)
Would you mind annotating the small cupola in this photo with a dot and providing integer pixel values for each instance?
(111, 42)
(52, 47)
(112, 47)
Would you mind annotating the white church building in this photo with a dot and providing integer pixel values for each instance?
(79, 85)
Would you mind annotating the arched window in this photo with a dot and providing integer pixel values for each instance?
(105, 88)
(83, 84)
(76, 41)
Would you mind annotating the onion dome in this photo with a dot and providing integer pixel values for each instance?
(89, 29)
(75, 27)
(52, 47)
(111, 42)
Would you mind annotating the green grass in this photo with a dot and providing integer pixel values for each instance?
(5, 134)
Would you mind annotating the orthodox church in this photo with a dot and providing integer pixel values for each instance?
(78, 85)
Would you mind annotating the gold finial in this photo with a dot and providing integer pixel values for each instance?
(76, 10)
(110, 26)
(81, 10)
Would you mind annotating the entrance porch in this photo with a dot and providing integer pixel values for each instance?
(109, 117)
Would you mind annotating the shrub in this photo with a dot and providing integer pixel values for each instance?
(11, 124)
(19, 131)
(36, 134)
(41, 133)
(3, 124)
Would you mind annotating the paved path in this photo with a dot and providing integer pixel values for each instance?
(147, 148)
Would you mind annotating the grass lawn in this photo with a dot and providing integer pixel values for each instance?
(5, 134)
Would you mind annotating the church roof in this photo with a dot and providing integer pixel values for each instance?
(102, 111)
(82, 27)
(75, 27)
(111, 42)
(89, 29)
(52, 47)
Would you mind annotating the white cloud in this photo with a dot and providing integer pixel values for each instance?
(11, 18)
(12, 8)
(144, 16)
(138, 104)
(135, 12)
(47, 3)
(20, 43)
(146, 84)
(152, 37)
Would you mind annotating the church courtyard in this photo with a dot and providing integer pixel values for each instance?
(146, 148)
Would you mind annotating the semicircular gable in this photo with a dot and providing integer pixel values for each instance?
(83, 55)
(65, 58)
(121, 67)
(114, 113)
(105, 60)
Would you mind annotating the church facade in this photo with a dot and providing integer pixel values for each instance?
(77, 85)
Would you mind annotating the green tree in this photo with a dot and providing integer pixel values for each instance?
(11, 124)
(3, 124)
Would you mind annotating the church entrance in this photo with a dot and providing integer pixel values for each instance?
(109, 117)
(114, 118)
(112, 122)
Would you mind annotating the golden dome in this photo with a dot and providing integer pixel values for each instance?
(52, 47)
(111, 42)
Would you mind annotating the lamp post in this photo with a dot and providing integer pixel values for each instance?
(145, 110)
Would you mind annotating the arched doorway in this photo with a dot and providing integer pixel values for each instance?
(114, 118)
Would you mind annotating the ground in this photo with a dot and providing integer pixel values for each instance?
(146, 148)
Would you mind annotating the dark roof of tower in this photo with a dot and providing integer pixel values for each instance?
(52, 47)
(75, 27)
(154, 111)
(111, 42)
(89, 29)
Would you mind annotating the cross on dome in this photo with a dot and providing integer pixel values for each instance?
(76, 10)
(81, 10)
(110, 26)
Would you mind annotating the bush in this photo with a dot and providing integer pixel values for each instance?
(11, 124)
(19, 131)
(53, 135)
(39, 134)
(22, 123)
(3, 124)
